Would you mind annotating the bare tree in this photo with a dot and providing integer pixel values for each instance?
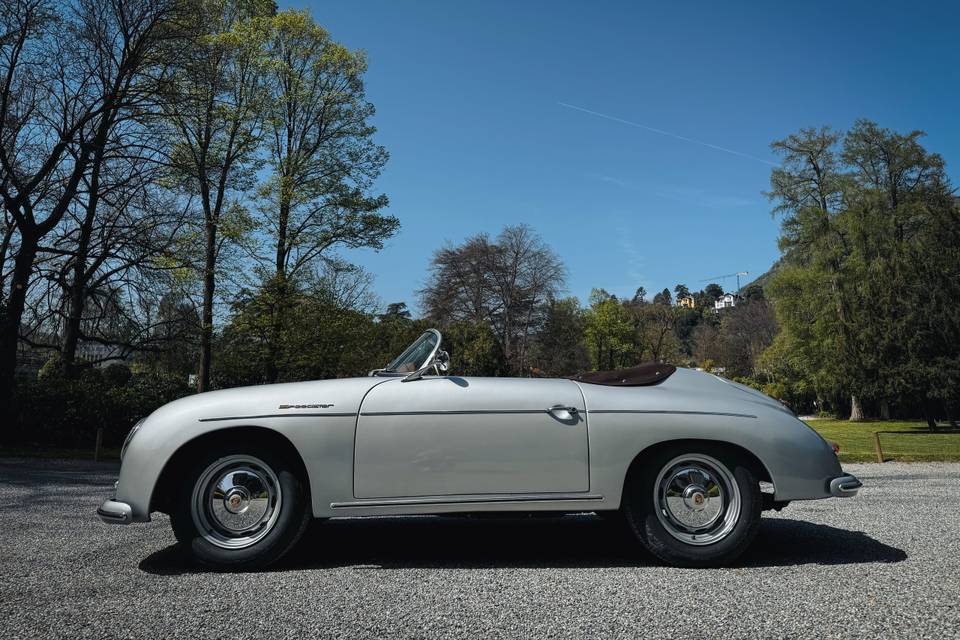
(460, 286)
(525, 275)
(745, 331)
(506, 282)
(68, 73)
(116, 256)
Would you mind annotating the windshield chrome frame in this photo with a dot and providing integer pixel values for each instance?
(421, 366)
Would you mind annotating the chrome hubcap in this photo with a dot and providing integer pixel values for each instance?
(236, 501)
(697, 499)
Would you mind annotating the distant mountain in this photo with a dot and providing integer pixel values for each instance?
(764, 279)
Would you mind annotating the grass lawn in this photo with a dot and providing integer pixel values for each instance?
(917, 444)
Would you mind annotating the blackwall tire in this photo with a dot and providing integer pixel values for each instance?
(240, 507)
(695, 505)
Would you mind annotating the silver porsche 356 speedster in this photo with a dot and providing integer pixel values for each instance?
(689, 460)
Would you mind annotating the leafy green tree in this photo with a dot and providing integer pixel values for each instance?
(655, 332)
(214, 106)
(608, 332)
(708, 296)
(474, 350)
(598, 295)
(319, 339)
(663, 297)
(685, 326)
(870, 246)
(559, 349)
(788, 376)
(681, 291)
(753, 293)
(395, 311)
(322, 156)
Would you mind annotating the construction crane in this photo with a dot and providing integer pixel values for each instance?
(728, 275)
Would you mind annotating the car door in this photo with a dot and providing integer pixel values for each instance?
(446, 435)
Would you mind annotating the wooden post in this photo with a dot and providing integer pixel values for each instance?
(96, 449)
(876, 446)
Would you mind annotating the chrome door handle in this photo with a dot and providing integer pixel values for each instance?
(562, 412)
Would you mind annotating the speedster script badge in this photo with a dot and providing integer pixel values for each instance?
(306, 406)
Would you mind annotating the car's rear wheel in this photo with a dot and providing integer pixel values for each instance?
(694, 505)
(239, 510)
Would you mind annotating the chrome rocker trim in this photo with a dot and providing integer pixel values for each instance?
(845, 486)
(115, 512)
(465, 500)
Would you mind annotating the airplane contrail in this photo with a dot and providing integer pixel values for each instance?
(666, 133)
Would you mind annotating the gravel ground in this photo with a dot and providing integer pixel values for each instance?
(884, 564)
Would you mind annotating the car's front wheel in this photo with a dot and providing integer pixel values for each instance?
(694, 505)
(238, 510)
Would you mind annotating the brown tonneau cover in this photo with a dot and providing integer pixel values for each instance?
(640, 376)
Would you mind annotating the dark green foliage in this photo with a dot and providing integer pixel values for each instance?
(395, 311)
(867, 294)
(117, 375)
(315, 339)
(752, 293)
(60, 412)
(708, 296)
(663, 297)
(559, 349)
(474, 350)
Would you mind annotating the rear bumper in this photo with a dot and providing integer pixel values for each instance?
(115, 512)
(845, 486)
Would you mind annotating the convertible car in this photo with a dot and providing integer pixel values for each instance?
(689, 460)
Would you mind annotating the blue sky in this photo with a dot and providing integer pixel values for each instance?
(485, 108)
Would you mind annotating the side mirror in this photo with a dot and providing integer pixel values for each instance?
(442, 360)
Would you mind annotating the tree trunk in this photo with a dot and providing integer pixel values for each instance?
(856, 409)
(282, 223)
(71, 329)
(8, 231)
(884, 410)
(206, 314)
(10, 322)
(929, 414)
(279, 290)
(77, 289)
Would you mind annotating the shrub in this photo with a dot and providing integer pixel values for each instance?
(60, 412)
(117, 374)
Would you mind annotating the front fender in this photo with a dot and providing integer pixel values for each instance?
(318, 418)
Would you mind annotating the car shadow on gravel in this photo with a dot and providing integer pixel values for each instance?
(538, 542)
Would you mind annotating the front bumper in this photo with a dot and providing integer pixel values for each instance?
(115, 512)
(845, 486)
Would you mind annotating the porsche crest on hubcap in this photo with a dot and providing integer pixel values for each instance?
(697, 499)
(236, 501)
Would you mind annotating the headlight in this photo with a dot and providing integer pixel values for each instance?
(133, 432)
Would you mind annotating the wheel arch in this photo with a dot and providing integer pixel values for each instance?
(750, 458)
(161, 494)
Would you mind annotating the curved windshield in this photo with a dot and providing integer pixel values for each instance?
(416, 355)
